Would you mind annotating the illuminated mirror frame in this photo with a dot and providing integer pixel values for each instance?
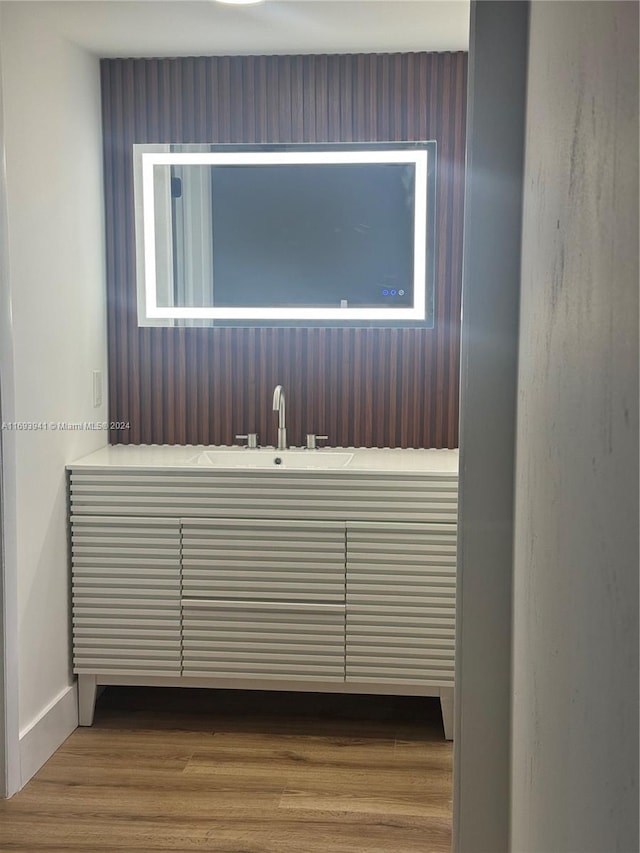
(420, 155)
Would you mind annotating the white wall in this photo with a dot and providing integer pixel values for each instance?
(575, 715)
(56, 274)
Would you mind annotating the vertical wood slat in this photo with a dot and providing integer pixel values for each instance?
(364, 387)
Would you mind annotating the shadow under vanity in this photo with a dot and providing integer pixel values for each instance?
(328, 570)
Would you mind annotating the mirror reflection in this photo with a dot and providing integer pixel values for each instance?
(234, 236)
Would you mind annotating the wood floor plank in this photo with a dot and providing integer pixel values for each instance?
(353, 777)
(233, 752)
(343, 801)
(384, 834)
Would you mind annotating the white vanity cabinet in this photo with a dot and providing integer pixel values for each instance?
(316, 580)
(263, 599)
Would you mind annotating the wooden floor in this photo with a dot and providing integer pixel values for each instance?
(236, 772)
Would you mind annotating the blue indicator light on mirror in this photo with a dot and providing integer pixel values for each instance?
(393, 292)
(385, 292)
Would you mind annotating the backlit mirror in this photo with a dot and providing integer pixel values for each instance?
(285, 235)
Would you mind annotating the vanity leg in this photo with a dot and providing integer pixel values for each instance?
(87, 686)
(446, 706)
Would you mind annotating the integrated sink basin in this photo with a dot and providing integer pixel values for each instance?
(266, 457)
(346, 461)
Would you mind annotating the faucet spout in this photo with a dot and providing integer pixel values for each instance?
(279, 407)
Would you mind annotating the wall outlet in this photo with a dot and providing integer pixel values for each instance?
(97, 388)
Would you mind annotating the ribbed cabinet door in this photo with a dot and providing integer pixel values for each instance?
(263, 599)
(401, 603)
(263, 639)
(126, 595)
(264, 560)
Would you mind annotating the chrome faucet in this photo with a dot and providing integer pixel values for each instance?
(278, 406)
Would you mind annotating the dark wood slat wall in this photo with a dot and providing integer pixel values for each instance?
(362, 387)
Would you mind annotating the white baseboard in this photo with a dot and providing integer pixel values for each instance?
(40, 739)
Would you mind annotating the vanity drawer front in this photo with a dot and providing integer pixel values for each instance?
(400, 645)
(401, 603)
(261, 639)
(126, 595)
(267, 560)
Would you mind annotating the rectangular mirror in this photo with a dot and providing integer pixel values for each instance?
(285, 235)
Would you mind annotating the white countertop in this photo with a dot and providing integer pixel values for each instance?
(155, 456)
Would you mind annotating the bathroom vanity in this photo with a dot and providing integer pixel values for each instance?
(316, 570)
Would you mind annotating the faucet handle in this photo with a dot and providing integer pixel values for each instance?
(251, 438)
(312, 438)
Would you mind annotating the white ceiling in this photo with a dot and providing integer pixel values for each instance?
(202, 27)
